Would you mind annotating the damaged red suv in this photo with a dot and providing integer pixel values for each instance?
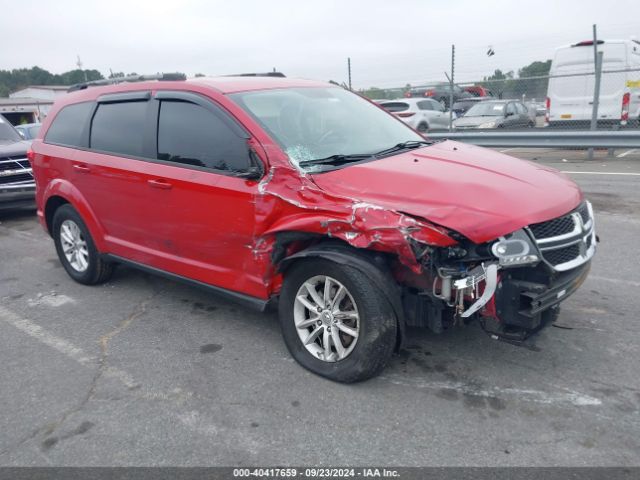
(302, 194)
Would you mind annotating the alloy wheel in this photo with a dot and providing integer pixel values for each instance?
(74, 245)
(326, 318)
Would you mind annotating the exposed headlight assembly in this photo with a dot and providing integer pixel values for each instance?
(515, 250)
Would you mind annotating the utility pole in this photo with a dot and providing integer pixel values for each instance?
(597, 62)
(451, 80)
(79, 64)
(349, 70)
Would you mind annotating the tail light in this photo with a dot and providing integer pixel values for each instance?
(429, 93)
(406, 114)
(407, 95)
(548, 112)
(30, 155)
(624, 117)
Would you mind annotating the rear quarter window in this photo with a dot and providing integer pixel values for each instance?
(68, 126)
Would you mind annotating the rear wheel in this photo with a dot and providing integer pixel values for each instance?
(335, 322)
(423, 127)
(76, 249)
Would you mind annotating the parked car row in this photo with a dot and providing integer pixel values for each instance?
(424, 114)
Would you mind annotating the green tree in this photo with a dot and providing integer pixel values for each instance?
(18, 78)
(530, 84)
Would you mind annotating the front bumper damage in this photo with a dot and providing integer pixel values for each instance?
(518, 289)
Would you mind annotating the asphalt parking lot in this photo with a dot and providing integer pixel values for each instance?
(143, 371)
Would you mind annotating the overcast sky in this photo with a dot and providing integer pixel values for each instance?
(390, 43)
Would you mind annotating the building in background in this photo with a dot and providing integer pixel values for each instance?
(30, 104)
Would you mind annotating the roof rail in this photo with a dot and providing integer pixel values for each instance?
(129, 78)
(265, 74)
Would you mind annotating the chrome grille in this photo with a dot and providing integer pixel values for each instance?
(562, 255)
(15, 170)
(553, 228)
(568, 241)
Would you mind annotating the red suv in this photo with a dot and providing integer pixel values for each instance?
(305, 195)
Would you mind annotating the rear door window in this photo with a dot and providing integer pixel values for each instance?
(119, 128)
(425, 105)
(190, 134)
(69, 125)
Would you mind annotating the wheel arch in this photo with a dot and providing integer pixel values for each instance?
(374, 265)
(62, 192)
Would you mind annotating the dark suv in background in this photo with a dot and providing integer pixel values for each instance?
(17, 187)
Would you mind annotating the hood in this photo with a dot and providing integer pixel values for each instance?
(477, 192)
(475, 121)
(12, 149)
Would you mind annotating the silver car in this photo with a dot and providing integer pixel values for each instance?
(422, 114)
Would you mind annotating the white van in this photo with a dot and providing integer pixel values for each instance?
(570, 98)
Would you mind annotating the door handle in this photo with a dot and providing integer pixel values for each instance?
(162, 184)
(81, 168)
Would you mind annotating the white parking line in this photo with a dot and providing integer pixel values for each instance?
(37, 332)
(63, 346)
(624, 154)
(508, 150)
(537, 396)
(604, 173)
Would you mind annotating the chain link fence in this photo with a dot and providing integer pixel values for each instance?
(560, 101)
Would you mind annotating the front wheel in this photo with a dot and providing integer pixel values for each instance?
(335, 322)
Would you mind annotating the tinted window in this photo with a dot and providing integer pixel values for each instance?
(69, 124)
(119, 128)
(511, 109)
(193, 135)
(395, 106)
(521, 108)
(425, 105)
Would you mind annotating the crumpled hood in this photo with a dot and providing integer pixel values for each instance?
(477, 192)
(475, 121)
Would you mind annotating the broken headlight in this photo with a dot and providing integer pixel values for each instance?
(515, 249)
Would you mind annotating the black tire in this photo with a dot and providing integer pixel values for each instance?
(98, 270)
(378, 324)
(531, 125)
(423, 127)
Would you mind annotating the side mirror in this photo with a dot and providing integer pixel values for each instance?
(253, 173)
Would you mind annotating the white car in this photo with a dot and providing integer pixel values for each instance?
(571, 86)
(422, 114)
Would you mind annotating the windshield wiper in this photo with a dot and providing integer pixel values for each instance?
(336, 159)
(410, 145)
